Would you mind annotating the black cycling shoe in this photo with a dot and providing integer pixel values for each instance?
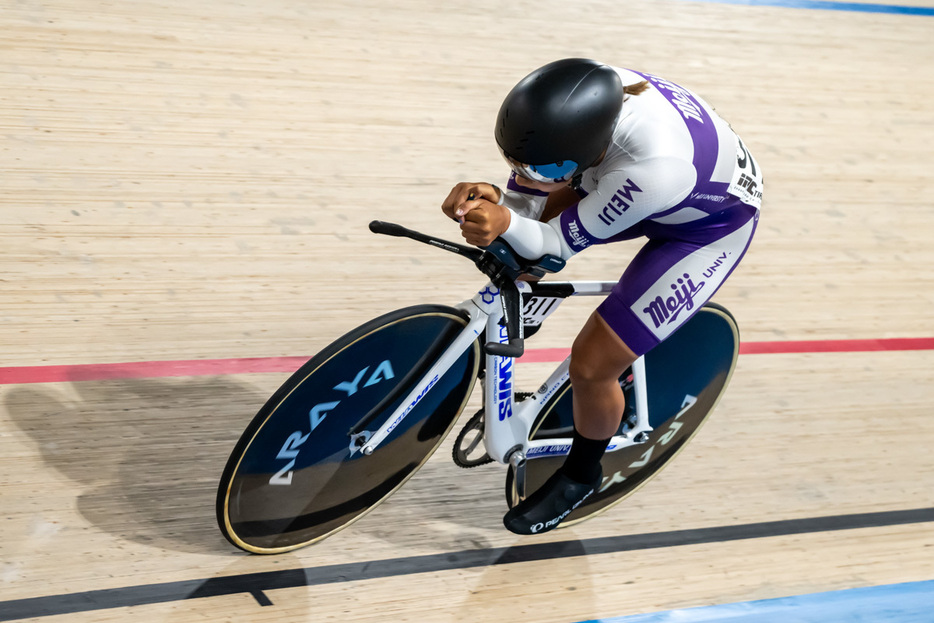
(549, 505)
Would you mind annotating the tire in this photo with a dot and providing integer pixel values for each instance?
(686, 375)
(292, 478)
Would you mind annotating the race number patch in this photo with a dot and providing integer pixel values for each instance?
(538, 308)
(747, 177)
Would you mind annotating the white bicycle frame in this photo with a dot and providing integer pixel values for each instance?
(507, 424)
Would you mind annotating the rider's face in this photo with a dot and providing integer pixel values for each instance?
(545, 187)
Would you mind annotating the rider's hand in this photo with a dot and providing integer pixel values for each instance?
(455, 205)
(484, 222)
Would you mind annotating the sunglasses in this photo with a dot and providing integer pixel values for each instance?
(546, 173)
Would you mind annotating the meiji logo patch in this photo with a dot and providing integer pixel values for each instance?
(667, 303)
(621, 201)
(666, 310)
(577, 237)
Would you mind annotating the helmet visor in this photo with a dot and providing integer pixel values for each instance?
(547, 173)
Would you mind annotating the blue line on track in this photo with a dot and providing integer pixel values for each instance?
(825, 5)
(912, 602)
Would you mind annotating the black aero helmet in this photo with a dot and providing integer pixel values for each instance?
(559, 119)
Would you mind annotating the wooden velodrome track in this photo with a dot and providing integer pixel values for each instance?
(191, 183)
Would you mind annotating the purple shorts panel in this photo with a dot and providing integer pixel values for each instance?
(672, 276)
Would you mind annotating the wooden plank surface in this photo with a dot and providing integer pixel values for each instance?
(193, 181)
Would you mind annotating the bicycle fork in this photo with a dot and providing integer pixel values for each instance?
(478, 315)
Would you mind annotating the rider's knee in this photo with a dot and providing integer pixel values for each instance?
(597, 363)
(586, 368)
(582, 370)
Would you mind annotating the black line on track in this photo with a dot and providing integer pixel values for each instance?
(256, 584)
(261, 598)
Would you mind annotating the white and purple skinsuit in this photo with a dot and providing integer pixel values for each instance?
(675, 173)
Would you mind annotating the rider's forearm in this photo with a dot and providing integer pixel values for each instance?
(529, 206)
(532, 239)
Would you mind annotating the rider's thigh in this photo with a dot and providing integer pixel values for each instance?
(598, 353)
(669, 280)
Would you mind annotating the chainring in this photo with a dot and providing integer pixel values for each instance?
(471, 437)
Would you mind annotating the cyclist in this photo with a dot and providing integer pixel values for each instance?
(601, 154)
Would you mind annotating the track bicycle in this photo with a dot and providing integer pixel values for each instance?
(356, 421)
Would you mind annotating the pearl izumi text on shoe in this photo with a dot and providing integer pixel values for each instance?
(545, 509)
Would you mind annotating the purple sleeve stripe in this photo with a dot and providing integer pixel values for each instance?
(513, 186)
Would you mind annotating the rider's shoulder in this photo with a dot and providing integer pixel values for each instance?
(644, 145)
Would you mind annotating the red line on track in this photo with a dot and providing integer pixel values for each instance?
(837, 346)
(147, 369)
(207, 367)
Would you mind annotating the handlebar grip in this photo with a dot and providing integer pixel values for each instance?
(515, 348)
(391, 229)
(388, 229)
(512, 318)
